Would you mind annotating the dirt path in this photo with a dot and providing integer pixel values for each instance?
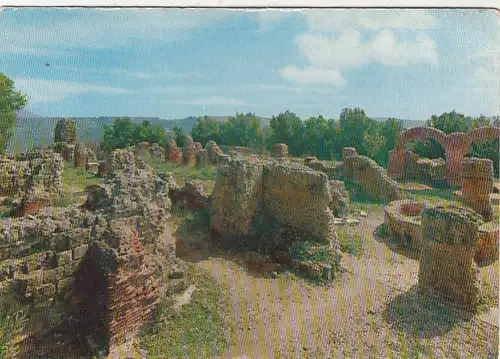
(372, 311)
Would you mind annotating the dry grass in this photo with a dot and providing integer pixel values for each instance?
(372, 311)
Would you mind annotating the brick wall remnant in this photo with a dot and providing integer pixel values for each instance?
(279, 150)
(477, 184)
(172, 153)
(447, 267)
(369, 176)
(12, 176)
(65, 131)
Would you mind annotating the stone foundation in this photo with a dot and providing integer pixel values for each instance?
(403, 222)
(279, 150)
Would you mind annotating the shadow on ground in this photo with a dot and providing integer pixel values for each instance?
(421, 316)
(394, 245)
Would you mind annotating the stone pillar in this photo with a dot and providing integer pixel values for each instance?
(447, 267)
(81, 155)
(188, 154)
(477, 184)
(279, 150)
(453, 167)
(172, 153)
(201, 158)
(395, 168)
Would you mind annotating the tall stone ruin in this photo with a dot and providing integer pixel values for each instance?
(477, 184)
(447, 267)
(188, 152)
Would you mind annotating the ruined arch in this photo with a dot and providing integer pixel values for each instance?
(455, 145)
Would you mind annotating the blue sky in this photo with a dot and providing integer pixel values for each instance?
(173, 63)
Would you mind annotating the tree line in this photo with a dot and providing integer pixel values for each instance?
(314, 136)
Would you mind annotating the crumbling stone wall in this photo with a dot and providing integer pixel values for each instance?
(12, 176)
(43, 181)
(172, 153)
(477, 184)
(100, 264)
(369, 176)
(65, 131)
(447, 267)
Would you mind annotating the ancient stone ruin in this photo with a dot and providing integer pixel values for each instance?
(188, 152)
(431, 171)
(65, 139)
(172, 153)
(65, 131)
(456, 146)
(273, 204)
(12, 176)
(279, 150)
(477, 184)
(447, 267)
(371, 179)
(403, 220)
(213, 152)
(81, 155)
(334, 170)
(202, 158)
(95, 269)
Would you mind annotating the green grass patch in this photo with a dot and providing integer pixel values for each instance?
(78, 176)
(190, 222)
(184, 173)
(198, 330)
(350, 241)
(307, 251)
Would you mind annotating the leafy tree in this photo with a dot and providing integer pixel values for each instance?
(288, 128)
(389, 131)
(354, 126)
(120, 134)
(206, 129)
(316, 129)
(10, 102)
(179, 135)
(243, 130)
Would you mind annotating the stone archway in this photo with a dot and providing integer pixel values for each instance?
(455, 145)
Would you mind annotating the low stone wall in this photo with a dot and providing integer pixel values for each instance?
(403, 222)
(333, 170)
(12, 176)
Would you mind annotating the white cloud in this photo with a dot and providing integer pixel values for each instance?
(334, 42)
(217, 101)
(43, 90)
(312, 75)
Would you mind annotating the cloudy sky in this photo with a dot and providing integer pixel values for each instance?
(173, 63)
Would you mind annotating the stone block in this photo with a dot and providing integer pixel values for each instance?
(79, 252)
(64, 258)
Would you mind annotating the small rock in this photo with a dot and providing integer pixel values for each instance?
(274, 275)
